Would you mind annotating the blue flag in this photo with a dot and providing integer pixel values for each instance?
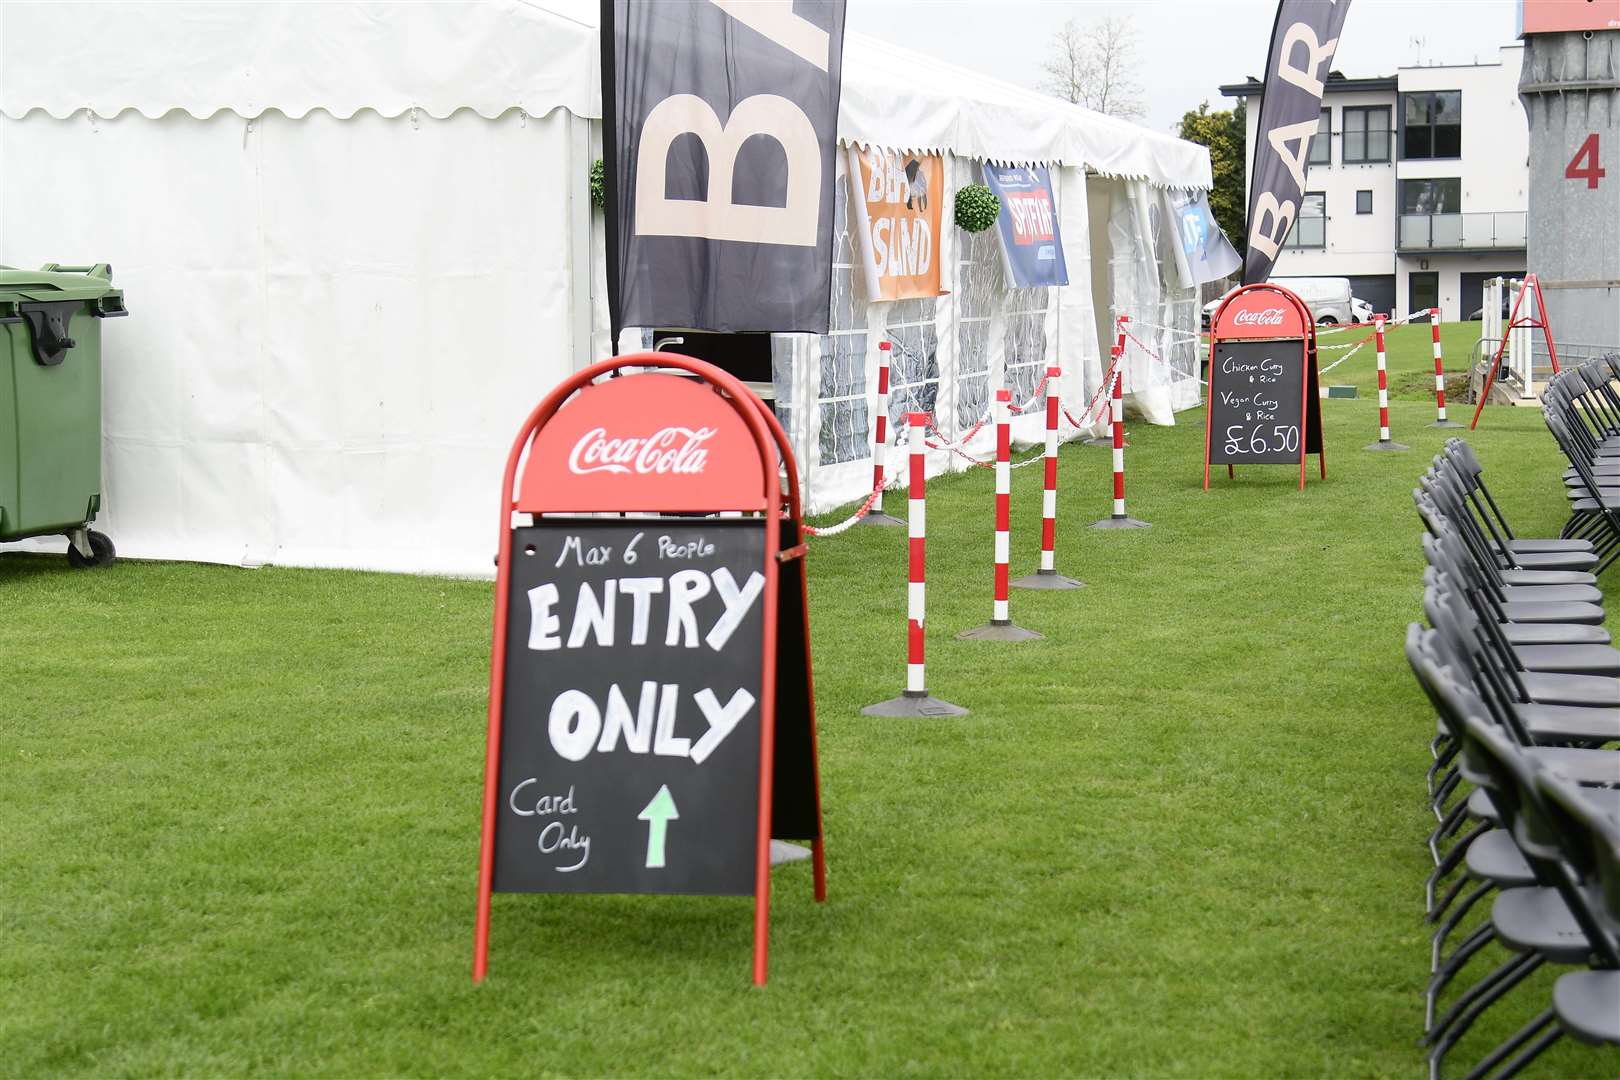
(1031, 245)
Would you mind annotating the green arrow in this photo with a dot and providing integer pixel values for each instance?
(658, 814)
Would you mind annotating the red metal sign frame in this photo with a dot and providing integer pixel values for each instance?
(1532, 283)
(741, 419)
(1242, 316)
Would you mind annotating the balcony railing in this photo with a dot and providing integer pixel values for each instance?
(1462, 232)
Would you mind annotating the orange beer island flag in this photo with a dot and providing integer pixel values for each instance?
(897, 199)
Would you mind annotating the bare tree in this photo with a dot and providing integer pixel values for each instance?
(1093, 65)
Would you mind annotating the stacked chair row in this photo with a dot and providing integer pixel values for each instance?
(1582, 408)
(1525, 784)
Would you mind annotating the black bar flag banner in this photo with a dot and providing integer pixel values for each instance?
(721, 160)
(1302, 45)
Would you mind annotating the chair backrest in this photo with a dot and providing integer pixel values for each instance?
(1442, 551)
(1578, 453)
(1444, 486)
(1453, 546)
(1486, 757)
(1467, 477)
(1513, 792)
(1425, 654)
(1473, 657)
(1590, 841)
(1464, 457)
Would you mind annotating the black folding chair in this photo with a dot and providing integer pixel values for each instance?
(1550, 921)
(1456, 487)
(1447, 485)
(1511, 603)
(1490, 514)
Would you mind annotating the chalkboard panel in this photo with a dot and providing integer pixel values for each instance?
(631, 729)
(1255, 392)
(795, 808)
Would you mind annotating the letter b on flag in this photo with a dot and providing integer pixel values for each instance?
(716, 216)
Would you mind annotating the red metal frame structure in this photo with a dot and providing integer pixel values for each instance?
(1306, 328)
(771, 443)
(1531, 282)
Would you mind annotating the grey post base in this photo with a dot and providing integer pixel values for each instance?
(1046, 579)
(878, 517)
(911, 704)
(1120, 521)
(999, 631)
(1383, 444)
(1447, 423)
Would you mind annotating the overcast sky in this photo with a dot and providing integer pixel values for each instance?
(1187, 48)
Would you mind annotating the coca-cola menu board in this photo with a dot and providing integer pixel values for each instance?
(1264, 408)
(1255, 393)
(630, 750)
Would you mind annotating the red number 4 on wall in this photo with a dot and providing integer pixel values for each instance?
(1584, 165)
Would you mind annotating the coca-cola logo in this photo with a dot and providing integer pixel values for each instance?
(1263, 317)
(669, 450)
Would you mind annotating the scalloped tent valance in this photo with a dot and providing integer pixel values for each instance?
(499, 55)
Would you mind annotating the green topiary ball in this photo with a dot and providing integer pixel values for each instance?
(598, 184)
(976, 208)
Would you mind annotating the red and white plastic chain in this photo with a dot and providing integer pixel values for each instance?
(967, 436)
(1091, 406)
(849, 522)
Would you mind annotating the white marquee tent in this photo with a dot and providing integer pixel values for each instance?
(357, 244)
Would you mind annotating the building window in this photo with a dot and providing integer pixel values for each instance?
(1322, 141)
(1310, 231)
(1363, 202)
(1366, 134)
(1431, 124)
(1431, 196)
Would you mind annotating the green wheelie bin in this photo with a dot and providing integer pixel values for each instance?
(50, 404)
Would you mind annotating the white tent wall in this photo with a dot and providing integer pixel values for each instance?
(1134, 274)
(337, 325)
(354, 238)
(948, 352)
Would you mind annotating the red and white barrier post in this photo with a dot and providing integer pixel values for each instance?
(880, 444)
(1439, 374)
(1384, 441)
(1119, 519)
(1001, 627)
(1047, 576)
(915, 699)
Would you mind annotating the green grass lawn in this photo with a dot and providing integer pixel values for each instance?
(1182, 836)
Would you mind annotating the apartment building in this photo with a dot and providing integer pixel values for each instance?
(1418, 184)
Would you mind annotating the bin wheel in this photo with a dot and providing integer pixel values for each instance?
(102, 552)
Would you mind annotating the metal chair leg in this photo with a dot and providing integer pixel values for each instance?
(1450, 924)
(1454, 857)
(1483, 994)
(1522, 1036)
(1443, 791)
(1482, 936)
(1447, 826)
(1512, 1068)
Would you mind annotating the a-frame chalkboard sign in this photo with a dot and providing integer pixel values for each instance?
(651, 713)
(1264, 405)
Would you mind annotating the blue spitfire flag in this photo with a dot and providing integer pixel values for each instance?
(1031, 246)
(1302, 46)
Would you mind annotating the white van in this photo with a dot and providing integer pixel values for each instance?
(1328, 298)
